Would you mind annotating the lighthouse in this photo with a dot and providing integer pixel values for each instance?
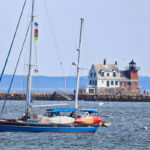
(105, 77)
(132, 73)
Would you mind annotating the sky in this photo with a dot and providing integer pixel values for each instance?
(118, 30)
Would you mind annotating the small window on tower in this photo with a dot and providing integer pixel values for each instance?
(130, 65)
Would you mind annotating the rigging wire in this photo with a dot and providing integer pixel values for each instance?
(26, 53)
(13, 40)
(50, 23)
(74, 59)
(24, 78)
(57, 48)
(15, 69)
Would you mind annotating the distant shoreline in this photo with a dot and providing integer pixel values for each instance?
(49, 84)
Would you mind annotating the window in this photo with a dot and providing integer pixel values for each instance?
(116, 82)
(129, 83)
(95, 83)
(112, 82)
(91, 74)
(114, 74)
(91, 91)
(107, 74)
(90, 82)
(123, 83)
(94, 74)
(130, 65)
(107, 83)
(102, 74)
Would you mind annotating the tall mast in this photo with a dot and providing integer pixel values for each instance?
(78, 65)
(30, 61)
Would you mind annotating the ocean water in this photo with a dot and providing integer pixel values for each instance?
(130, 130)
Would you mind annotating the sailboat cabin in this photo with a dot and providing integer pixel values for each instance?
(108, 76)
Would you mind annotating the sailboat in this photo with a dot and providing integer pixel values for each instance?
(52, 121)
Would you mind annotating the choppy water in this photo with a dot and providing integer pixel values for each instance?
(126, 132)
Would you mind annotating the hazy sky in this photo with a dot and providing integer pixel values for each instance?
(118, 30)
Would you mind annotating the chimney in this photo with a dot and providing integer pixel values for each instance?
(105, 61)
(116, 63)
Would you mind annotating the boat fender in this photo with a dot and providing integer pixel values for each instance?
(86, 114)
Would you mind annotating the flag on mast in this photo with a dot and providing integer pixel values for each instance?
(35, 31)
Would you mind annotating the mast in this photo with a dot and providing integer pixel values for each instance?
(78, 65)
(28, 95)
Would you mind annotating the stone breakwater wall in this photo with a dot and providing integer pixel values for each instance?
(22, 96)
(57, 96)
(119, 98)
(118, 91)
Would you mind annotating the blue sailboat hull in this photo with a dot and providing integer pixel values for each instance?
(36, 127)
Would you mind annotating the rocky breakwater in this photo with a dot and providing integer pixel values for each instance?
(22, 96)
(38, 96)
(86, 97)
(119, 98)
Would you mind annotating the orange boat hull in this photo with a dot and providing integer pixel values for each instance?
(88, 120)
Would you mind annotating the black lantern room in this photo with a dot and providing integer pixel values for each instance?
(132, 65)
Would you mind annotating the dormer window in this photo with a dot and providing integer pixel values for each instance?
(114, 74)
(102, 74)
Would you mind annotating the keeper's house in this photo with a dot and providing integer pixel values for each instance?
(104, 77)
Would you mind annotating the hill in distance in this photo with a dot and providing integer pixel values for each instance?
(47, 84)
